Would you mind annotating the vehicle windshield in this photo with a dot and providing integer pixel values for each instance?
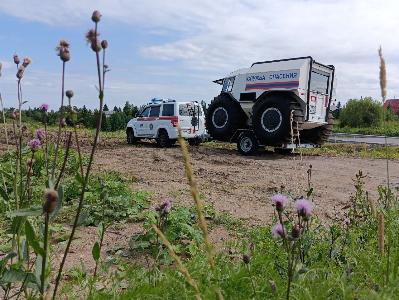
(189, 110)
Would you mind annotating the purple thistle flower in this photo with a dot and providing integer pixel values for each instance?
(347, 222)
(34, 144)
(165, 207)
(279, 201)
(303, 207)
(278, 231)
(44, 107)
(40, 134)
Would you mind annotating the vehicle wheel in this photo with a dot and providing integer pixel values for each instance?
(224, 116)
(163, 140)
(194, 142)
(271, 120)
(130, 138)
(318, 135)
(247, 143)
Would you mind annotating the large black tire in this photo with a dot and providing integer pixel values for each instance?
(130, 138)
(224, 116)
(247, 143)
(163, 140)
(271, 120)
(318, 135)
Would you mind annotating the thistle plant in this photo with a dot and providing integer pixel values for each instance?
(92, 39)
(291, 240)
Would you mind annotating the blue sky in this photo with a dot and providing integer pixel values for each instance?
(176, 48)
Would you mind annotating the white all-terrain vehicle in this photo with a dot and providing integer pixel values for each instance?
(160, 119)
(280, 103)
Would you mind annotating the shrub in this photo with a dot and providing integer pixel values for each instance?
(365, 112)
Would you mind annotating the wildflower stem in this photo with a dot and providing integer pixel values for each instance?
(65, 161)
(45, 242)
(46, 146)
(59, 125)
(86, 179)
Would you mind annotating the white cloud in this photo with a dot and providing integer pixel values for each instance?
(212, 38)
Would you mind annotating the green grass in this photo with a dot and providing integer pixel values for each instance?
(391, 128)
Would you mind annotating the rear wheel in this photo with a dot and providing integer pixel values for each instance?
(271, 120)
(224, 116)
(247, 143)
(318, 135)
(130, 138)
(163, 140)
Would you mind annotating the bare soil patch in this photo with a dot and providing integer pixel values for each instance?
(242, 185)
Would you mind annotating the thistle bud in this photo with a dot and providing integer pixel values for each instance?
(14, 115)
(24, 128)
(16, 59)
(296, 231)
(50, 198)
(69, 94)
(20, 72)
(96, 16)
(104, 44)
(246, 258)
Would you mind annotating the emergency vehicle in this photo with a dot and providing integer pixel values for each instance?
(280, 103)
(160, 119)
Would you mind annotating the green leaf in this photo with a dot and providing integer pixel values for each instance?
(310, 192)
(32, 240)
(79, 178)
(96, 251)
(27, 212)
(12, 276)
(17, 222)
(4, 194)
(6, 258)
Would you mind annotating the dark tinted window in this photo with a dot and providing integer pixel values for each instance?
(145, 112)
(155, 111)
(168, 110)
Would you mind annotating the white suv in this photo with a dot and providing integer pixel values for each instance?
(159, 120)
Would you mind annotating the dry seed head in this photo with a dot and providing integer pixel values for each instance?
(96, 16)
(383, 75)
(63, 50)
(26, 62)
(50, 197)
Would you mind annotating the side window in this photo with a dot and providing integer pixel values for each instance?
(168, 110)
(319, 82)
(145, 112)
(155, 111)
(228, 84)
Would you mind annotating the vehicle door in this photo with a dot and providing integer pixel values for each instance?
(190, 118)
(318, 96)
(142, 121)
(151, 127)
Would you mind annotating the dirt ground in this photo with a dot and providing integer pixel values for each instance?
(242, 185)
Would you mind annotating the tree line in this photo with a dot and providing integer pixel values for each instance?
(112, 120)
